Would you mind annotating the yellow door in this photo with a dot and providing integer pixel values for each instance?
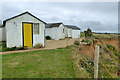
(27, 33)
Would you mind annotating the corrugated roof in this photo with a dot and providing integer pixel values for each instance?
(73, 27)
(50, 25)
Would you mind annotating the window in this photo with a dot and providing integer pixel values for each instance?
(63, 31)
(36, 28)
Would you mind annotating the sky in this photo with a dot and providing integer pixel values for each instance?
(98, 16)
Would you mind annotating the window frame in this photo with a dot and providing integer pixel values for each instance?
(36, 28)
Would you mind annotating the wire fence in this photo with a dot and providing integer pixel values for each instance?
(84, 59)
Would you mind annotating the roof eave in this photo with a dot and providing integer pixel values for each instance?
(23, 14)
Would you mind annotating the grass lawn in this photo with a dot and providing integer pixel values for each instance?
(104, 36)
(55, 63)
(38, 64)
(101, 35)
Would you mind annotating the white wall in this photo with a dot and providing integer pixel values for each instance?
(39, 38)
(69, 32)
(49, 32)
(75, 33)
(61, 34)
(2, 34)
(55, 33)
(14, 33)
(66, 33)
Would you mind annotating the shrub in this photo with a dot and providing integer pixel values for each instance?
(88, 33)
(113, 49)
(48, 37)
(106, 50)
(82, 34)
(89, 41)
(88, 61)
(6, 49)
(94, 41)
(115, 52)
(10, 49)
(86, 41)
(76, 42)
(13, 49)
(110, 47)
(38, 46)
(21, 48)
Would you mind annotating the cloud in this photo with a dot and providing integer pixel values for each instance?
(99, 16)
(98, 26)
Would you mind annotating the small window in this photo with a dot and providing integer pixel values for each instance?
(36, 28)
(63, 30)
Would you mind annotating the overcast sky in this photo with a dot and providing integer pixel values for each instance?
(99, 16)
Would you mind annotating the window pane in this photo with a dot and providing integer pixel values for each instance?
(36, 28)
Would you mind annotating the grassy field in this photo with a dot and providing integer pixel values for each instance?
(38, 64)
(57, 63)
(42, 64)
(101, 35)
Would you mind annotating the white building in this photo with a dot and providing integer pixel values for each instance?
(23, 30)
(73, 31)
(55, 30)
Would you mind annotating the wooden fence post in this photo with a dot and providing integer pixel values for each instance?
(96, 61)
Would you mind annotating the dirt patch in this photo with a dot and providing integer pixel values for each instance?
(53, 44)
(89, 49)
(14, 63)
(36, 55)
(113, 42)
(39, 59)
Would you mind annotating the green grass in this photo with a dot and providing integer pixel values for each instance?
(101, 35)
(38, 64)
(82, 34)
(55, 63)
(2, 46)
(110, 60)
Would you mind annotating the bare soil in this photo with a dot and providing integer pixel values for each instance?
(89, 49)
(113, 42)
(53, 44)
(49, 44)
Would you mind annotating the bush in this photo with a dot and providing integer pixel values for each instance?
(94, 41)
(38, 46)
(10, 49)
(113, 49)
(48, 37)
(6, 49)
(115, 52)
(88, 33)
(76, 42)
(110, 47)
(86, 41)
(82, 34)
(21, 48)
(90, 62)
(89, 41)
(13, 49)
